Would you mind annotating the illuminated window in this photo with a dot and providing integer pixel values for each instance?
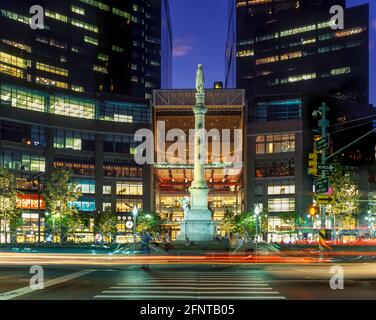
(117, 49)
(121, 13)
(298, 30)
(52, 69)
(72, 107)
(279, 143)
(297, 78)
(267, 60)
(17, 45)
(106, 189)
(245, 53)
(11, 71)
(291, 55)
(97, 4)
(102, 57)
(349, 32)
(91, 40)
(15, 16)
(78, 10)
(126, 205)
(77, 88)
(129, 188)
(281, 205)
(339, 71)
(50, 82)
(84, 25)
(281, 189)
(84, 185)
(56, 16)
(14, 60)
(20, 98)
(309, 41)
(100, 69)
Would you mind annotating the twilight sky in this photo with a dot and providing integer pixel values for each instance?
(200, 29)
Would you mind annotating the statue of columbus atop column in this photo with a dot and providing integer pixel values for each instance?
(200, 80)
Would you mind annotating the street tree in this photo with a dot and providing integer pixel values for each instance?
(346, 197)
(8, 202)
(149, 221)
(228, 223)
(105, 223)
(60, 193)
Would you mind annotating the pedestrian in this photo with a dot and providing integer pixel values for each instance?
(145, 247)
(167, 242)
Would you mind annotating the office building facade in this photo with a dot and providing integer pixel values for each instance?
(290, 46)
(72, 95)
(89, 46)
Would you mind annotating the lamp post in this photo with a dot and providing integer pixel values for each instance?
(257, 214)
(134, 213)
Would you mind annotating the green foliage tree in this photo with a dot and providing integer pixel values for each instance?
(246, 223)
(149, 221)
(59, 192)
(228, 223)
(8, 201)
(105, 223)
(346, 197)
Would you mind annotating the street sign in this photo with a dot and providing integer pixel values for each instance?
(325, 167)
(322, 144)
(321, 185)
(324, 199)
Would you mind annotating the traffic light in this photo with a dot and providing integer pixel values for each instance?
(312, 163)
(313, 211)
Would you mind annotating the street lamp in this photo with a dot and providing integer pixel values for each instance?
(134, 213)
(257, 214)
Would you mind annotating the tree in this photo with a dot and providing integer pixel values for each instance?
(228, 223)
(346, 197)
(8, 201)
(60, 194)
(105, 223)
(246, 223)
(149, 221)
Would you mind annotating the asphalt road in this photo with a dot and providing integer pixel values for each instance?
(169, 282)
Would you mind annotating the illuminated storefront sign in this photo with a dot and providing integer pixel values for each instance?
(30, 201)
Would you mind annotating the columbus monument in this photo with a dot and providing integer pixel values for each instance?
(198, 224)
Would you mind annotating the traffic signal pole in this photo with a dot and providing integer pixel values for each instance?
(323, 124)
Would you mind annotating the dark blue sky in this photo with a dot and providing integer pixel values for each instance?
(200, 29)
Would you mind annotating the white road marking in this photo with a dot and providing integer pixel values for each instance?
(22, 291)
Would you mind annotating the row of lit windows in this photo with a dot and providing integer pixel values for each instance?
(72, 108)
(97, 4)
(52, 69)
(84, 25)
(14, 60)
(100, 69)
(245, 53)
(281, 189)
(91, 40)
(129, 188)
(56, 16)
(51, 82)
(11, 71)
(15, 16)
(281, 205)
(17, 45)
(275, 144)
(75, 140)
(67, 106)
(121, 13)
(301, 77)
(22, 161)
(78, 10)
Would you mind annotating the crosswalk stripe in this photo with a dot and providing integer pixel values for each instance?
(200, 285)
(182, 287)
(145, 297)
(190, 292)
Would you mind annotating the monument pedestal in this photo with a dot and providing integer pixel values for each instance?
(198, 224)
